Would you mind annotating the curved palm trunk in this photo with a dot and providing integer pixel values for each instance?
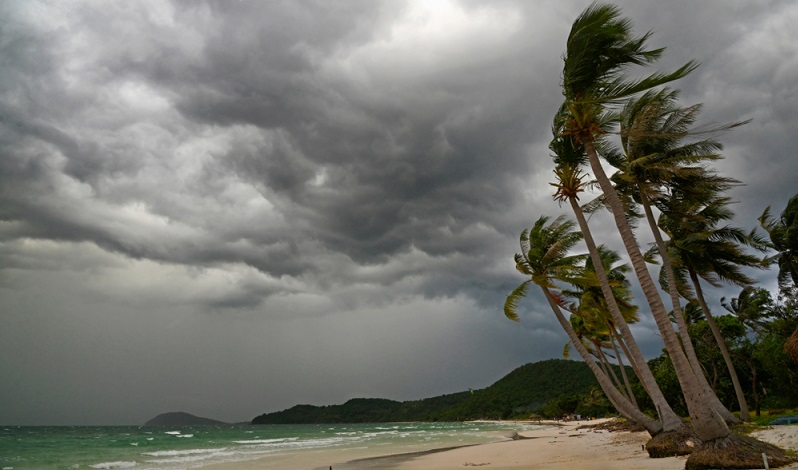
(684, 334)
(707, 423)
(670, 421)
(621, 403)
(724, 351)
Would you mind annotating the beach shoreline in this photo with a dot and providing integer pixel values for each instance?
(557, 446)
(573, 445)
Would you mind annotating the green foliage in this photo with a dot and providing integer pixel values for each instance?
(560, 406)
(755, 336)
(525, 390)
(520, 392)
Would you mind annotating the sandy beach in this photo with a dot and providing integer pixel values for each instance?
(557, 447)
(560, 448)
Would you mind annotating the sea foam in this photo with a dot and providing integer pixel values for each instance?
(177, 453)
(109, 465)
(266, 441)
(187, 456)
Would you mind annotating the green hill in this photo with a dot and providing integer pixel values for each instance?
(517, 394)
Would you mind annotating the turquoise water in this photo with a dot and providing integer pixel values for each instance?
(181, 447)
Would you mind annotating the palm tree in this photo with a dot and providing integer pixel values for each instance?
(711, 253)
(751, 307)
(783, 233)
(544, 257)
(595, 339)
(592, 309)
(570, 183)
(600, 46)
(654, 163)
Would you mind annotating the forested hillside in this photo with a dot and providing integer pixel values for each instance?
(516, 395)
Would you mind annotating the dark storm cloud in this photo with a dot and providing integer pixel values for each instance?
(331, 187)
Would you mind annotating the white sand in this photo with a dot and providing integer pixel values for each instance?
(569, 448)
(553, 448)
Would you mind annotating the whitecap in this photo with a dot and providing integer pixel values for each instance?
(174, 433)
(185, 435)
(177, 453)
(109, 465)
(265, 441)
(182, 457)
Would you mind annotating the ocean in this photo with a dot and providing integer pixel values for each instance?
(183, 447)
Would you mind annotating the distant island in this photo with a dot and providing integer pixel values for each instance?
(180, 418)
(517, 395)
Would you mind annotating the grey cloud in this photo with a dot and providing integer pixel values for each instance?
(251, 173)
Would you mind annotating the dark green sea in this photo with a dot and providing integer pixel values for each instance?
(183, 447)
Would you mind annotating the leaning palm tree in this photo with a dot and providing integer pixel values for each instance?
(544, 257)
(654, 163)
(570, 183)
(704, 251)
(592, 308)
(600, 46)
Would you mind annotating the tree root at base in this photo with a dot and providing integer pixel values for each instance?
(736, 452)
(671, 443)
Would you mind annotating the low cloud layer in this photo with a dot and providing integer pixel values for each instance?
(230, 208)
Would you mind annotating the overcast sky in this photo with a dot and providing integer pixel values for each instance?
(229, 208)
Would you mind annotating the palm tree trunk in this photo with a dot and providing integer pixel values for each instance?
(621, 403)
(623, 368)
(670, 421)
(684, 334)
(626, 353)
(707, 423)
(724, 351)
(611, 372)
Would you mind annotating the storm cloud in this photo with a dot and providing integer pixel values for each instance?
(230, 208)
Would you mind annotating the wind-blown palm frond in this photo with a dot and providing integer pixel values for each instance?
(545, 258)
(783, 234)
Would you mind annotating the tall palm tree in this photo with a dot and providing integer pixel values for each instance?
(570, 183)
(600, 46)
(712, 253)
(544, 257)
(654, 163)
